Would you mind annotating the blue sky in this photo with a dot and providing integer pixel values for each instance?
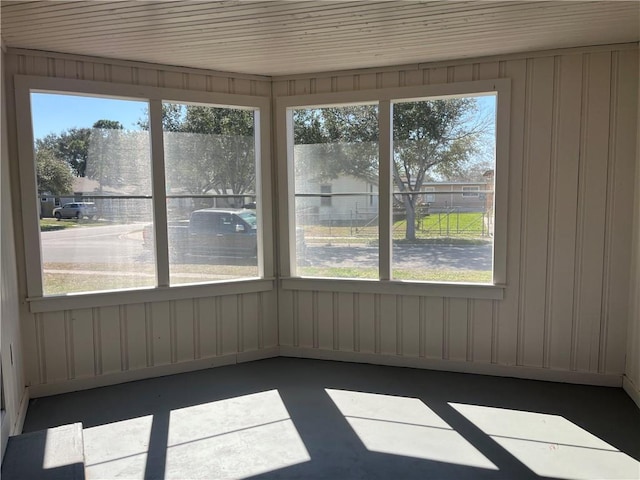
(54, 113)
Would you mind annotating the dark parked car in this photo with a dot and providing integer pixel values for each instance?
(212, 232)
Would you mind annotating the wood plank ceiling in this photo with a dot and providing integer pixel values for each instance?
(291, 37)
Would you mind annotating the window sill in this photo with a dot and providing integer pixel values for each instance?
(158, 294)
(396, 287)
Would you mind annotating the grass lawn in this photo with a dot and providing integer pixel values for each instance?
(436, 225)
(51, 224)
(456, 276)
(60, 278)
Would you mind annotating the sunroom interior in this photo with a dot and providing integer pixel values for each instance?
(328, 348)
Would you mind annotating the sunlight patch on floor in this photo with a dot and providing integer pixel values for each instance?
(551, 445)
(405, 426)
(119, 449)
(234, 438)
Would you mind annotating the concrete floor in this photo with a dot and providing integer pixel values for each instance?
(295, 418)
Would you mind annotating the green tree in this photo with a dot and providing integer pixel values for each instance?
(432, 139)
(72, 145)
(208, 148)
(53, 174)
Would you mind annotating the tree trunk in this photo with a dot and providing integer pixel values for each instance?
(410, 213)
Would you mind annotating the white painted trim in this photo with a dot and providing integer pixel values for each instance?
(529, 373)
(398, 287)
(29, 207)
(45, 390)
(145, 295)
(133, 64)
(384, 96)
(631, 389)
(21, 414)
(139, 92)
(385, 189)
(159, 194)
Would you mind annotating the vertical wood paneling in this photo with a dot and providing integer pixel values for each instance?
(110, 347)
(83, 343)
(482, 330)
(269, 315)
(463, 73)
(412, 78)
(535, 210)
(286, 318)
(305, 319)
(411, 326)
(325, 320)
(249, 302)
(366, 322)
(508, 310)
(434, 334)
(437, 75)
(147, 76)
(229, 324)
(388, 327)
(593, 167)
(572, 145)
(161, 318)
(136, 336)
(207, 322)
(345, 322)
(186, 329)
(54, 346)
(624, 135)
(564, 183)
(458, 322)
(488, 71)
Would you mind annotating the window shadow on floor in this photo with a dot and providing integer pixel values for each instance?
(295, 418)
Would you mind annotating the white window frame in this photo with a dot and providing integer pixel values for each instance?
(471, 191)
(384, 99)
(25, 85)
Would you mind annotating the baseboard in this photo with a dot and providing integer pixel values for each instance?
(22, 413)
(36, 391)
(530, 373)
(631, 389)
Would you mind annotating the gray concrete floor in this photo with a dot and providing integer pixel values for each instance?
(295, 418)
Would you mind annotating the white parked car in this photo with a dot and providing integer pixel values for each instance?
(76, 210)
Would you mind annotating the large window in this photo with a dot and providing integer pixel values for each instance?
(93, 170)
(210, 175)
(335, 160)
(413, 184)
(137, 193)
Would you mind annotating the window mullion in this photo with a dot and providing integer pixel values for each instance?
(385, 202)
(159, 193)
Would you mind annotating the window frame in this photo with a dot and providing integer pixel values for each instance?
(154, 96)
(470, 191)
(384, 98)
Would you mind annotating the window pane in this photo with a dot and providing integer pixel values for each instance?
(210, 164)
(335, 158)
(94, 182)
(444, 164)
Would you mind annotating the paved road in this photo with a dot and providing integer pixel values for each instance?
(123, 244)
(91, 244)
(467, 257)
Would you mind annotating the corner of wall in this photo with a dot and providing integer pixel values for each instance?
(632, 367)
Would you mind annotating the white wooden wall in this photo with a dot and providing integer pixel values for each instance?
(632, 372)
(15, 395)
(71, 349)
(572, 155)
